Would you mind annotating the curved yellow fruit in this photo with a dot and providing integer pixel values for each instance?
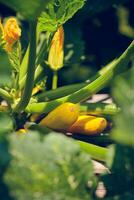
(87, 124)
(62, 117)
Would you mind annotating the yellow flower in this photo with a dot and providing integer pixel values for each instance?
(11, 33)
(56, 53)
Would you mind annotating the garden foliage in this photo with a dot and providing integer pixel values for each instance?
(43, 164)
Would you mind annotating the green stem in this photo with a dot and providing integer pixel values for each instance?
(59, 92)
(30, 71)
(40, 58)
(102, 81)
(38, 71)
(23, 69)
(55, 80)
(99, 108)
(5, 95)
(76, 97)
(96, 152)
(41, 54)
(66, 90)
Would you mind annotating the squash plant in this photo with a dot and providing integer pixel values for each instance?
(27, 106)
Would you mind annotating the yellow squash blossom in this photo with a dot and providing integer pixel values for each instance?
(56, 52)
(10, 33)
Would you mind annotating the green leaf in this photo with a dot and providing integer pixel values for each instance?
(124, 96)
(53, 167)
(57, 13)
(29, 9)
(119, 183)
(6, 123)
(5, 69)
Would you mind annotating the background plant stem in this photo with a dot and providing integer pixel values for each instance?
(5, 95)
(96, 152)
(55, 80)
(59, 92)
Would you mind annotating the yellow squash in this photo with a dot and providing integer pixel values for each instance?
(62, 117)
(87, 124)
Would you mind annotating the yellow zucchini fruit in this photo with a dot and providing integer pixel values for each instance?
(88, 125)
(62, 117)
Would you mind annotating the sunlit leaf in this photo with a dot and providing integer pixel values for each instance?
(57, 13)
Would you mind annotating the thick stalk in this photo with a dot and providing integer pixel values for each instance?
(24, 64)
(59, 92)
(40, 58)
(76, 97)
(93, 87)
(69, 89)
(30, 70)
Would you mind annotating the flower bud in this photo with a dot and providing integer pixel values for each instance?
(56, 53)
(12, 33)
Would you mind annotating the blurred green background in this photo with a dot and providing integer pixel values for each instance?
(54, 167)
